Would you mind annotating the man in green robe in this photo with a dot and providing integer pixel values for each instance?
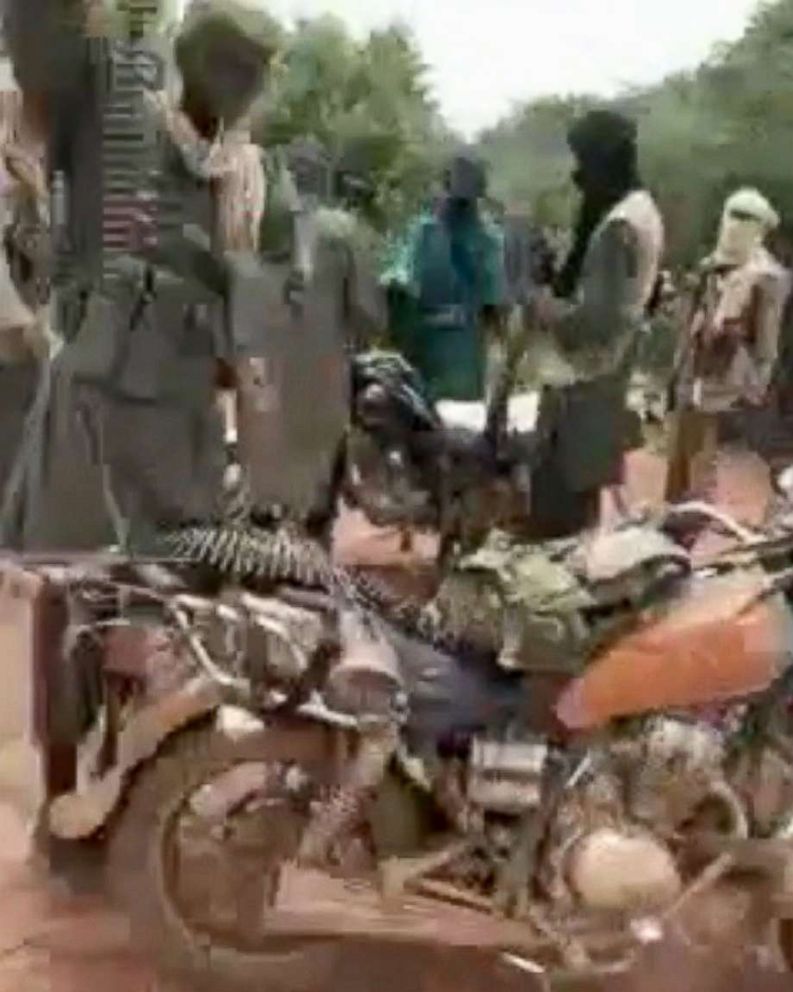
(447, 287)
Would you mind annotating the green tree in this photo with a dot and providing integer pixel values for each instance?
(727, 123)
(368, 104)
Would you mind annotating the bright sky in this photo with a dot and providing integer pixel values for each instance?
(486, 55)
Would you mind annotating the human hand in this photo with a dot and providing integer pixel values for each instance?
(541, 309)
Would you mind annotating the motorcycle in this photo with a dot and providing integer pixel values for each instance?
(454, 468)
(275, 771)
(457, 469)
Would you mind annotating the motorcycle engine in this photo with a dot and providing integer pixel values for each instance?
(675, 771)
(612, 841)
(499, 783)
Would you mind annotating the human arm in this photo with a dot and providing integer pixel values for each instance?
(603, 305)
(493, 286)
(400, 269)
(770, 299)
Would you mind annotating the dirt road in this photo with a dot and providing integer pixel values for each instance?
(50, 942)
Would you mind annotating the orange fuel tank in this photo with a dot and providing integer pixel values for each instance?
(718, 642)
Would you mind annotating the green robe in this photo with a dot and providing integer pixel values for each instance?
(441, 276)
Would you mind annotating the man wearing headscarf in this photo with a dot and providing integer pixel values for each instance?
(729, 343)
(126, 436)
(452, 269)
(589, 332)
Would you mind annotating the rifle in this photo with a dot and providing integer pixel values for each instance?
(686, 345)
(498, 406)
(128, 153)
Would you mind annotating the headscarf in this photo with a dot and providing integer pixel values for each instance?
(208, 21)
(748, 218)
(604, 144)
(310, 165)
(465, 178)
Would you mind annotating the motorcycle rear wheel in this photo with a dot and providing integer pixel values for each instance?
(140, 870)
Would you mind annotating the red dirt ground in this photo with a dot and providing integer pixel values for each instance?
(51, 942)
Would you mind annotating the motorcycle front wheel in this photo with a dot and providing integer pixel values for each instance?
(196, 857)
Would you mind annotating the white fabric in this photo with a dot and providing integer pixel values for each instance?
(739, 239)
(521, 414)
(752, 201)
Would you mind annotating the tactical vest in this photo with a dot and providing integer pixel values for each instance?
(149, 335)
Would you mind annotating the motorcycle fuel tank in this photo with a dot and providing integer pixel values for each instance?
(723, 639)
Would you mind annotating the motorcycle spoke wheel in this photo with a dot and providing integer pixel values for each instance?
(168, 853)
(223, 853)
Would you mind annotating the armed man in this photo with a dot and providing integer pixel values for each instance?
(322, 303)
(592, 328)
(127, 436)
(25, 339)
(162, 301)
(729, 344)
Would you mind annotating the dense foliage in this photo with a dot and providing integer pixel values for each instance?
(704, 132)
(368, 105)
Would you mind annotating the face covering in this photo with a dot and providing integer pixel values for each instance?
(738, 239)
(465, 180)
(747, 219)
